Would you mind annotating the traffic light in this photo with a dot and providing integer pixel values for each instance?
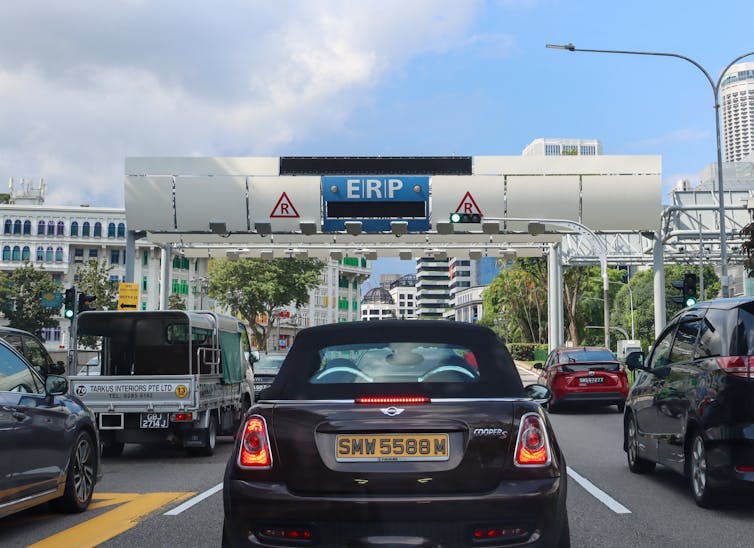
(458, 217)
(689, 289)
(69, 303)
(687, 286)
(85, 302)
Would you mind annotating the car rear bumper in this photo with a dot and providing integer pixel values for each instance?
(607, 398)
(536, 507)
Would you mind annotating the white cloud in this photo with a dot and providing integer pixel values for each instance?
(83, 84)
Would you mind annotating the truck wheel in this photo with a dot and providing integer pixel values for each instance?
(209, 441)
(114, 449)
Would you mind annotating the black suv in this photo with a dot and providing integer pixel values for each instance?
(31, 348)
(692, 405)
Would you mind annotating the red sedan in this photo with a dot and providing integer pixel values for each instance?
(584, 375)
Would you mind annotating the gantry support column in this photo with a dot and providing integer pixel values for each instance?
(555, 297)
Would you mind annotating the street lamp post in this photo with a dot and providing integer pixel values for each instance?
(725, 284)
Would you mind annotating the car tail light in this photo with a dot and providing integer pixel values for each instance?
(506, 533)
(287, 535)
(255, 445)
(532, 445)
(738, 366)
(403, 400)
(744, 468)
(182, 417)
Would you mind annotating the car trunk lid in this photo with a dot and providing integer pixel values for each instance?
(344, 447)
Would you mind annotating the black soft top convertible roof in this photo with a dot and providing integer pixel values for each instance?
(499, 377)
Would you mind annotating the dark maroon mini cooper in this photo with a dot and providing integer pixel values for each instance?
(397, 433)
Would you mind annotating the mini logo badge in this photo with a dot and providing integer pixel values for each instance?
(392, 411)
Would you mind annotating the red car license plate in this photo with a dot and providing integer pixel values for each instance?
(591, 380)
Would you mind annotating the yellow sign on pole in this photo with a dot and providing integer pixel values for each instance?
(128, 296)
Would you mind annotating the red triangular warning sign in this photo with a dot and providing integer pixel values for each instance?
(284, 208)
(468, 205)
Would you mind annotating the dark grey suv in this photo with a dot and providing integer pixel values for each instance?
(692, 405)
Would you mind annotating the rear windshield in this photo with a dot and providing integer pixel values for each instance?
(587, 356)
(403, 362)
(743, 339)
(268, 364)
(438, 359)
(577, 361)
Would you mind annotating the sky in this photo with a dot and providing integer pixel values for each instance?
(85, 83)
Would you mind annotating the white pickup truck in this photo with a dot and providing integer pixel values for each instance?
(165, 376)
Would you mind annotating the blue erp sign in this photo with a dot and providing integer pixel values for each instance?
(375, 201)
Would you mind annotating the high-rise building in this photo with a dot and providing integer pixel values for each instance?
(563, 147)
(432, 288)
(737, 112)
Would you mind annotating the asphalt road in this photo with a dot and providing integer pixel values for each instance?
(163, 498)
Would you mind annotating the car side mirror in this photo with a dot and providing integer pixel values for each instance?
(56, 385)
(538, 365)
(635, 360)
(57, 368)
(539, 393)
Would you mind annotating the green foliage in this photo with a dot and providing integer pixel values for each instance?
(176, 302)
(581, 299)
(748, 247)
(22, 304)
(6, 292)
(525, 351)
(642, 286)
(516, 301)
(94, 279)
(253, 288)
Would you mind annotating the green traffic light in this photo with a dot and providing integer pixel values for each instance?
(455, 217)
(68, 313)
(690, 301)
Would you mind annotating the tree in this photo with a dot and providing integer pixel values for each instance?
(6, 292)
(24, 308)
(94, 279)
(517, 300)
(254, 288)
(577, 281)
(176, 302)
(748, 247)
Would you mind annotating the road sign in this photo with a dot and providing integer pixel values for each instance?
(51, 299)
(375, 201)
(128, 296)
(284, 208)
(468, 205)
